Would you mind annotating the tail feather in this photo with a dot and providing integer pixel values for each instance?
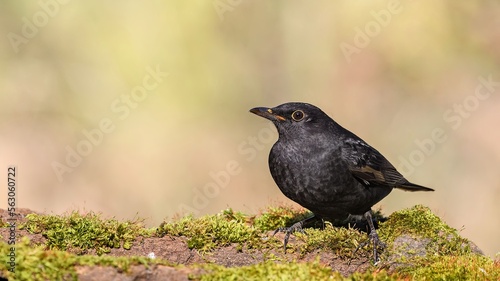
(408, 186)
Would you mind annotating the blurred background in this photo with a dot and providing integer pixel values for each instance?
(141, 108)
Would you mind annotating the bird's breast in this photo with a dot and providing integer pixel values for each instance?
(309, 173)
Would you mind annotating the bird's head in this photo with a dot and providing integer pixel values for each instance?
(295, 117)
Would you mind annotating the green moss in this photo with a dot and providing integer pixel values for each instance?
(79, 233)
(421, 223)
(38, 263)
(378, 275)
(418, 220)
(3, 223)
(341, 241)
(207, 232)
(446, 256)
(211, 231)
(467, 267)
(279, 216)
(269, 271)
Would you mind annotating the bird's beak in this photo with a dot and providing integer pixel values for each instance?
(267, 113)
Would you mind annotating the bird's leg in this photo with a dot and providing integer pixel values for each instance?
(373, 236)
(296, 227)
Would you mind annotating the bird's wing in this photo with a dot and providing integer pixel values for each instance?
(368, 166)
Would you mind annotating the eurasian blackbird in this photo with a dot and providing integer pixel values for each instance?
(326, 168)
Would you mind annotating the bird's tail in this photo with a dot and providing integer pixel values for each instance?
(408, 186)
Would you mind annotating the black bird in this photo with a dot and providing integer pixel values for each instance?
(326, 168)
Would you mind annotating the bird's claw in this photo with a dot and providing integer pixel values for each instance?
(373, 237)
(296, 227)
(377, 244)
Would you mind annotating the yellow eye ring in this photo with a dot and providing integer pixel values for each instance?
(298, 115)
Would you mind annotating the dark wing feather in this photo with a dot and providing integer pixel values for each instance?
(371, 168)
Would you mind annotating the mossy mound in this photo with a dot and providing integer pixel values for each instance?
(80, 233)
(234, 246)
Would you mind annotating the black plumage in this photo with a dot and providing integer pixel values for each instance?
(326, 168)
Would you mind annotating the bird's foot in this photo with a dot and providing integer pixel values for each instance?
(377, 244)
(296, 227)
(373, 237)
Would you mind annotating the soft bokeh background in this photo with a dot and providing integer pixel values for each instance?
(67, 67)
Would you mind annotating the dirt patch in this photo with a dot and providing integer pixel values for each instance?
(172, 249)
(136, 273)
(176, 251)
(36, 239)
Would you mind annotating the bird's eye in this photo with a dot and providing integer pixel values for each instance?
(298, 115)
